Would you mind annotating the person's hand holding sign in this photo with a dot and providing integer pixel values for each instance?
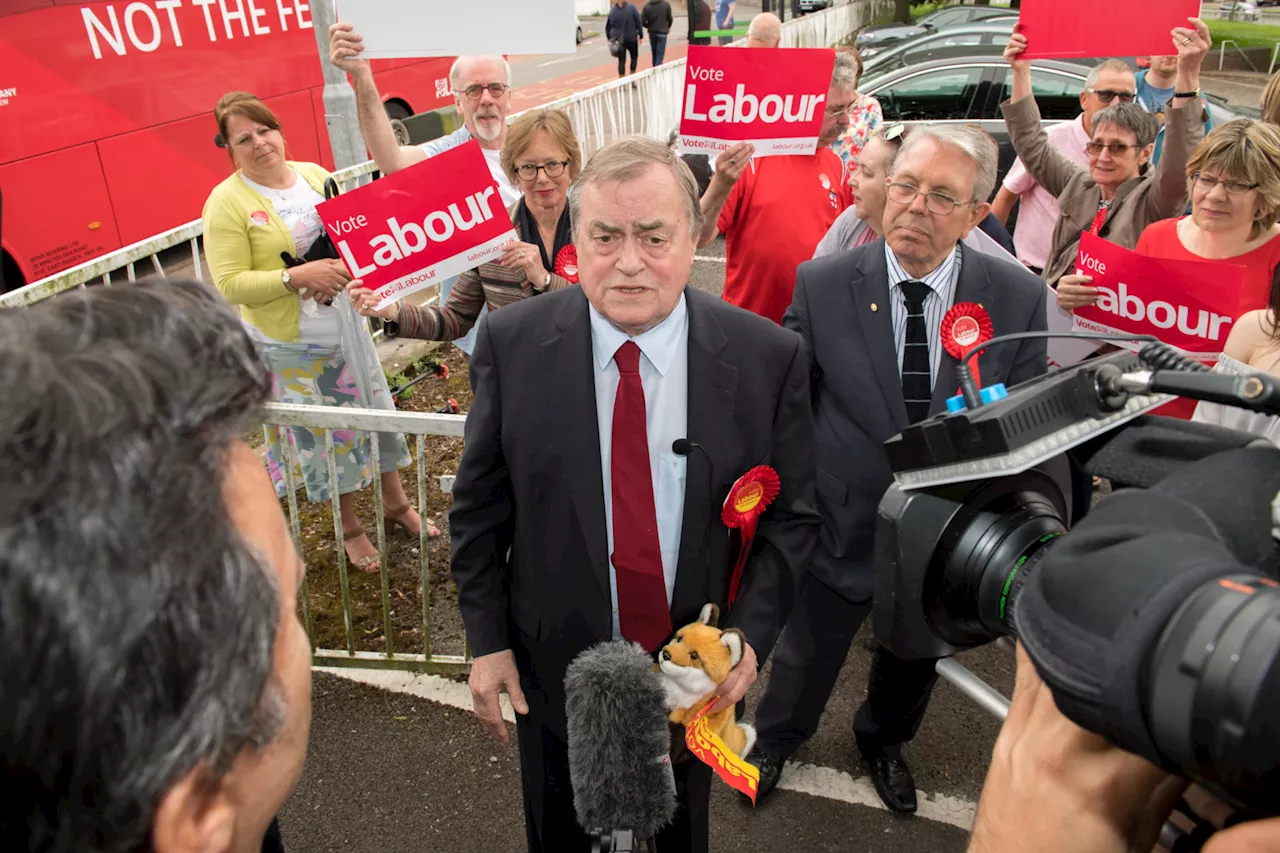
(366, 302)
(1192, 46)
(527, 257)
(733, 161)
(1074, 291)
(1013, 52)
(345, 45)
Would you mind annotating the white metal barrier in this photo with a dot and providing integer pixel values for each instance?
(647, 103)
(411, 424)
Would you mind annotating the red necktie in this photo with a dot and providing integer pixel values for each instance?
(643, 612)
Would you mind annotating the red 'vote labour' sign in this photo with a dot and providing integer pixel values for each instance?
(1187, 304)
(1068, 28)
(774, 98)
(421, 225)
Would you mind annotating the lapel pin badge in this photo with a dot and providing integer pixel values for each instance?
(875, 307)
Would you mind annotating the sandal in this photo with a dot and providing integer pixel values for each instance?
(397, 516)
(367, 563)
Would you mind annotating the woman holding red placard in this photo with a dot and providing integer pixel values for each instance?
(542, 157)
(1120, 194)
(264, 242)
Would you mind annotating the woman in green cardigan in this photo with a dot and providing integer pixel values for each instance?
(265, 208)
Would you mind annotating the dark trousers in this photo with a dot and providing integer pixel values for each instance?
(625, 47)
(550, 821)
(806, 663)
(271, 842)
(658, 47)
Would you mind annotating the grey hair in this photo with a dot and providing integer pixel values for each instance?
(846, 71)
(1119, 66)
(137, 627)
(457, 69)
(974, 142)
(1128, 117)
(626, 160)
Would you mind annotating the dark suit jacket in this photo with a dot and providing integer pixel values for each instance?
(528, 523)
(857, 389)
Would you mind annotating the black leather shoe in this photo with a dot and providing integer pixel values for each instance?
(893, 781)
(770, 769)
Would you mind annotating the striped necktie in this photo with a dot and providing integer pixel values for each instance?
(917, 383)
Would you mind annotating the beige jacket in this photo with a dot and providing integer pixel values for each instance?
(1157, 193)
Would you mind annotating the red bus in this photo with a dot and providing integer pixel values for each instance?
(106, 113)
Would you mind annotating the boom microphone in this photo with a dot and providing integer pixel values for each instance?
(619, 741)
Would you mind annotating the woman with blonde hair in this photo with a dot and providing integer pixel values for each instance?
(1271, 100)
(261, 214)
(542, 157)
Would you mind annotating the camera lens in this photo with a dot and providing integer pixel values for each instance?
(984, 557)
(1214, 685)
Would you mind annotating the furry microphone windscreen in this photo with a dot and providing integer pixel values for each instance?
(619, 740)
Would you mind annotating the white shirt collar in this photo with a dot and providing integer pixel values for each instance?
(659, 344)
(937, 280)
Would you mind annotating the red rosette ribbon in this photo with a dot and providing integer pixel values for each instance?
(566, 265)
(964, 326)
(747, 500)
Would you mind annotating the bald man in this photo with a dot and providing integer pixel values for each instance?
(765, 31)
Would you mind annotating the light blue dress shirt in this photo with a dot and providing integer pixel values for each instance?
(664, 374)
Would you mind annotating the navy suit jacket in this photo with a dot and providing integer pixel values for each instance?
(856, 388)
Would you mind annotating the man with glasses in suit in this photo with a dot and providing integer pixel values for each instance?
(871, 321)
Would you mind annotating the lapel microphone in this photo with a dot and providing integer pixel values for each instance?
(684, 447)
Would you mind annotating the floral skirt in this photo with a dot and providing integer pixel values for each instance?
(315, 375)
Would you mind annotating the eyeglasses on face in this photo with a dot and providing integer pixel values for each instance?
(529, 171)
(1208, 182)
(1109, 95)
(1116, 148)
(496, 90)
(935, 202)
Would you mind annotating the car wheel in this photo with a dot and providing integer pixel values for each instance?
(579, 35)
(398, 112)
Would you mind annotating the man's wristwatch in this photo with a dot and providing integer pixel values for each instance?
(285, 279)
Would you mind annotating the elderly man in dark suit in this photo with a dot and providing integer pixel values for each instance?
(871, 320)
(576, 522)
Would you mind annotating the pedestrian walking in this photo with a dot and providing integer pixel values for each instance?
(657, 21)
(623, 30)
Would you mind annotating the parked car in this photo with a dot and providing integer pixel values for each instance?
(968, 40)
(804, 6)
(874, 39)
(1239, 10)
(971, 89)
(577, 22)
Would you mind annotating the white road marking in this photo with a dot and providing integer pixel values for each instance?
(568, 58)
(710, 258)
(811, 779)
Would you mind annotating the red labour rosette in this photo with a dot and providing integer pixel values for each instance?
(964, 326)
(566, 265)
(747, 500)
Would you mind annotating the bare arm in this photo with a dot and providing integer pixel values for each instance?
(1003, 205)
(345, 46)
(1184, 129)
(729, 167)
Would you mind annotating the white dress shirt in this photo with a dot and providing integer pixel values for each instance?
(942, 293)
(664, 375)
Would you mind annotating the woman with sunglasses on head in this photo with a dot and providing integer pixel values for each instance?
(541, 155)
(1120, 194)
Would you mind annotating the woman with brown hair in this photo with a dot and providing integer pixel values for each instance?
(542, 157)
(263, 211)
(1271, 100)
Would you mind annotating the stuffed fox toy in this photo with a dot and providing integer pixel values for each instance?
(693, 664)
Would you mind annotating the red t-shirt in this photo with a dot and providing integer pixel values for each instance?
(775, 215)
(1160, 240)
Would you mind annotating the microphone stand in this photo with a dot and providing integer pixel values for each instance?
(616, 841)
